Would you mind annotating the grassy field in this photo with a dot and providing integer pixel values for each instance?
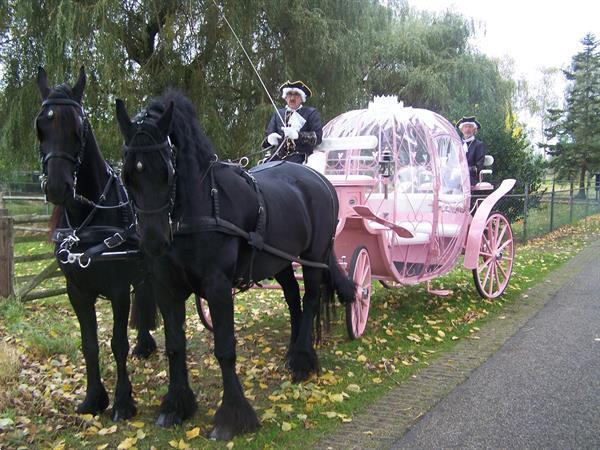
(42, 371)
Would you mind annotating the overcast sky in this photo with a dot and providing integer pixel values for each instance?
(535, 33)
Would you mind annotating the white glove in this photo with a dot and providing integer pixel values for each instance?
(273, 138)
(290, 133)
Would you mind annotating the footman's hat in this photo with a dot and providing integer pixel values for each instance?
(295, 86)
(468, 120)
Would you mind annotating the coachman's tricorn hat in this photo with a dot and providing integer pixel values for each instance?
(295, 86)
(468, 120)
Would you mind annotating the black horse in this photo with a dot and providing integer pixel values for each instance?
(211, 226)
(92, 215)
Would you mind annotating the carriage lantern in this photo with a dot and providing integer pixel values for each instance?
(385, 163)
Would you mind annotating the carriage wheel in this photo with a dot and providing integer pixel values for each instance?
(496, 255)
(204, 313)
(357, 312)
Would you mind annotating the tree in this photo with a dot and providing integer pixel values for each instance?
(346, 51)
(135, 49)
(575, 131)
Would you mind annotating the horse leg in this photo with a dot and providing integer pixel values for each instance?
(144, 310)
(291, 292)
(235, 415)
(180, 402)
(124, 405)
(303, 359)
(96, 398)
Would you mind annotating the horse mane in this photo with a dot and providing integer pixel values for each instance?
(186, 132)
(61, 91)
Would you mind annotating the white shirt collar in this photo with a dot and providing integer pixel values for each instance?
(287, 108)
(469, 139)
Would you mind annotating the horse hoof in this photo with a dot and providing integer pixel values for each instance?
(167, 420)
(123, 413)
(93, 405)
(300, 376)
(144, 351)
(221, 434)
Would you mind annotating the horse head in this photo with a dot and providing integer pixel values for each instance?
(149, 173)
(61, 130)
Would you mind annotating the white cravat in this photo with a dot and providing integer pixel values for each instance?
(466, 143)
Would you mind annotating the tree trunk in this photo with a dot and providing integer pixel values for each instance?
(581, 193)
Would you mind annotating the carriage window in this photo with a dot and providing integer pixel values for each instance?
(450, 169)
(352, 162)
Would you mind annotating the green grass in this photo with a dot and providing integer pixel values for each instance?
(538, 219)
(407, 329)
(18, 207)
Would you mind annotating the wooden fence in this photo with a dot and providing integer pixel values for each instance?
(25, 228)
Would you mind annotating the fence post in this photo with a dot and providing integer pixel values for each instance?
(587, 194)
(525, 207)
(571, 202)
(6, 257)
(552, 205)
(3, 210)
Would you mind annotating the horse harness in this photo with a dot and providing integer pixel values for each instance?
(215, 222)
(71, 236)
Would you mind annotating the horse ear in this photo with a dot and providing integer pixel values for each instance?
(42, 82)
(164, 122)
(79, 85)
(123, 118)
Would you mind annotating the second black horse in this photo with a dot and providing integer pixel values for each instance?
(211, 226)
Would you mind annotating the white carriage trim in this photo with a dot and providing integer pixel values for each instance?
(317, 161)
(443, 229)
(360, 179)
(348, 143)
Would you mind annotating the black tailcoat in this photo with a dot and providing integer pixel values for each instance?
(475, 157)
(313, 123)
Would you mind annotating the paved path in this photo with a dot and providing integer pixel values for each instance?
(531, 381)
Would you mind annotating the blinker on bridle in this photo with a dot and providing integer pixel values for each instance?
(77, 159)
(169, 158)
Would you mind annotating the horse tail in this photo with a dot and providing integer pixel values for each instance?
(340, 281)
(144, 309)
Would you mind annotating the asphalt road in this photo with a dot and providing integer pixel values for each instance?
(541, 389)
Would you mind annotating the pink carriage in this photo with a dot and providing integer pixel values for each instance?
(404, 190)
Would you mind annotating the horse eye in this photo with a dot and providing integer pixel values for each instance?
(139, 166)
(50, 114)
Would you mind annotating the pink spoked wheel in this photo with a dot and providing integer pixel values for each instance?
(357, 312)
(496, 255)
(204, 313)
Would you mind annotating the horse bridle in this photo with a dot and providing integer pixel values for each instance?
(78, 158)
(169, 157)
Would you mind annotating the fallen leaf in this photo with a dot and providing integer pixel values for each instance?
(286, 426)
(193, 433)
(6, 423)
(127, 443)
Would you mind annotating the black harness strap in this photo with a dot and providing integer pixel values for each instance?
(254, 238)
